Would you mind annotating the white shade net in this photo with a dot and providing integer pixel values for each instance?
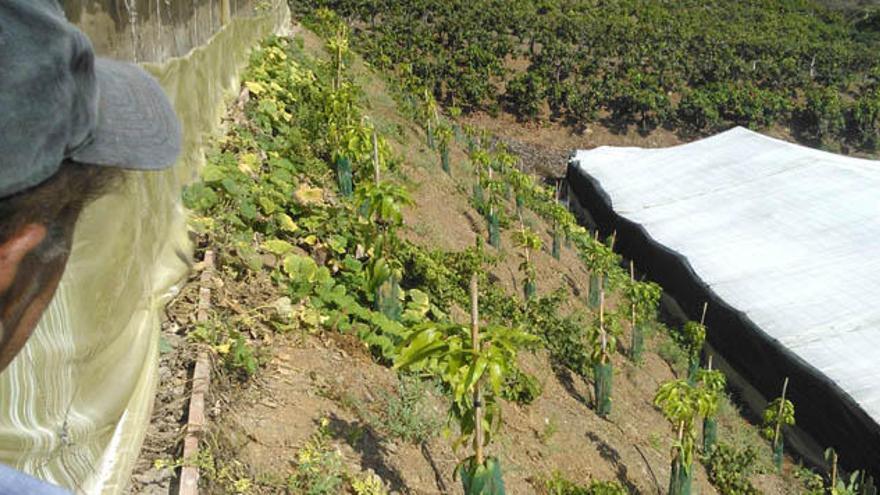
(788, 235)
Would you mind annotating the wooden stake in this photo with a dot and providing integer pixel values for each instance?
(478, 394)
(709, 364)
(779, 414)
(833, 468)
(376, 156)
(613, 240)
(703, 318)
(632, 278)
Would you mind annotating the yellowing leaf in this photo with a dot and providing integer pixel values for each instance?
(255, 87)
(222, 349)
(277, 247)
(309, 195)
(286, 223)
(248, 163)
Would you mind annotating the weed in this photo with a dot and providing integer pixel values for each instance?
(319, 469)
(674, 355)
(405, 413)
(550, 429)
(729, 469)
(369, 484)
(521, 387)
(557, 484)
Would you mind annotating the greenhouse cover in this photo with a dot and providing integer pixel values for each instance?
(784, 243)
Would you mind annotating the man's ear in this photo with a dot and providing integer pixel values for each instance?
(14, 249)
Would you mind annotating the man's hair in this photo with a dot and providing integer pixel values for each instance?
(58, 201)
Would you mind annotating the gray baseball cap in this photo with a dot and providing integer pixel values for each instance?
(58, 101)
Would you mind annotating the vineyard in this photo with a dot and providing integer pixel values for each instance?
(695, 66)
(313, 203)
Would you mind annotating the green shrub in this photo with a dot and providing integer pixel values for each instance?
(557, 484)
(730, 469)
(406, 414)
(521, 387)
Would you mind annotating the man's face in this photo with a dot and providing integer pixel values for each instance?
(31, 264)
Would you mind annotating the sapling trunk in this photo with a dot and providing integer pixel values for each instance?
(778, 442)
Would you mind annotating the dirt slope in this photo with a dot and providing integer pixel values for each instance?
(261, 426)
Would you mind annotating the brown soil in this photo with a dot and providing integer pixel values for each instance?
(307, 377)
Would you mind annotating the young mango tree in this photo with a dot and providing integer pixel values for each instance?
(643, 299)
(528, 241)
(432, 113)
(600, 259)
(681, 403)
(474, 364)
(694, 335)
(445, 136)
(779, 413)
(494, 198)
(603, 341)
(380, 206)
(712, 382)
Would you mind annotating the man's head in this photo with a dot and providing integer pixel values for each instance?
(70, 122)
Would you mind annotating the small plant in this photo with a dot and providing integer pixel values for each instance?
(369, 484)
(528, 241)
(603, 341)
(713, 383)
(730, 469)
(682, 404)
(779, 413)
(319, 469)
(521, 387)
(406, 414)
(694, 335)
(444, 136)
(466, 359)
(643, 298)
(551, 427)
(557, 484)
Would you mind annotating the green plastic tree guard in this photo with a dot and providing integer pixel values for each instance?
(638, 342)
(529, 288)
(388, 299)
(556, 245)
(344, 176)
(444, 159)
(602, 378)
(482, 480)
(680, 479)
(494, 231)
(710, 433)
(778, 450)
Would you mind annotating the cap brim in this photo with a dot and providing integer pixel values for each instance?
(137, 127)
